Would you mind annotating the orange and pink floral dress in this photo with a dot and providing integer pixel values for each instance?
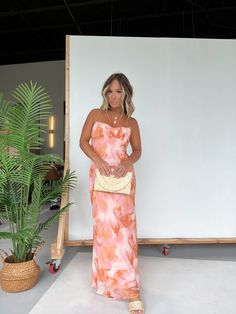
(115, 251)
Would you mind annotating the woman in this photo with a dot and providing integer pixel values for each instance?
(115, 250)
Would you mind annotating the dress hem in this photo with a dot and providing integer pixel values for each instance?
(114, 298)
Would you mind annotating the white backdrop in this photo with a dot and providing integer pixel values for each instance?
(184, 94)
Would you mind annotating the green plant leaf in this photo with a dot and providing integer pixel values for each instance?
(23, 185)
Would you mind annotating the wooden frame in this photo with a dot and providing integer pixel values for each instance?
(62, 240)
(57, 247)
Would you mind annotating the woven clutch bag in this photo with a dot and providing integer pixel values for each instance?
(112, 184)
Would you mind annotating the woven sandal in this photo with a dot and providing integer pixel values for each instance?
(135, 306)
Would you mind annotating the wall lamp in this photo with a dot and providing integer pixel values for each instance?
(51, 131)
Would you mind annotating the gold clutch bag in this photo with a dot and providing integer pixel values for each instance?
(112, 184)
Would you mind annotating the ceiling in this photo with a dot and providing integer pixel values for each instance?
(32, 31)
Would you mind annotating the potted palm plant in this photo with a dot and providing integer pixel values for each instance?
(23, 186)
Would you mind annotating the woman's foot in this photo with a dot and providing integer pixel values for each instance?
(135, 306)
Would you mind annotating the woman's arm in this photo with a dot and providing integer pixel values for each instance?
(84, 142)
(135, 142)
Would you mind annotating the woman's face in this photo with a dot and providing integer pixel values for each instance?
(115, 95)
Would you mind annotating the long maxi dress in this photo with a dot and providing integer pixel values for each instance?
(115, 250)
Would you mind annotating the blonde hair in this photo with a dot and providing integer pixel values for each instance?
(127, 89)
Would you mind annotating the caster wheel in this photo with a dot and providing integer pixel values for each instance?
(165, 251)
(54, 266)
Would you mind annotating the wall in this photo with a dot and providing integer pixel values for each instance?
(184, 93)
(50, 75)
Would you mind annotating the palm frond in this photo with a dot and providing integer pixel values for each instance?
(56, 188)
(32, 214)
(23, 174)
(17, 236)
(32, 104)
(4, 107)
(52, 219)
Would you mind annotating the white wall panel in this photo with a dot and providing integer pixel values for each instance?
(185, 98)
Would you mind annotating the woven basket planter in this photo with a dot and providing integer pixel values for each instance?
(18, 277)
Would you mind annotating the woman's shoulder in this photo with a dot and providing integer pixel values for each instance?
(94, 111)
(133, 122)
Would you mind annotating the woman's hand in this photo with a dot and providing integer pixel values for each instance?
(122, 169)
(103, 167)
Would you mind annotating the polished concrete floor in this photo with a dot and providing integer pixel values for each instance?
(174, 285)
(23, 303)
